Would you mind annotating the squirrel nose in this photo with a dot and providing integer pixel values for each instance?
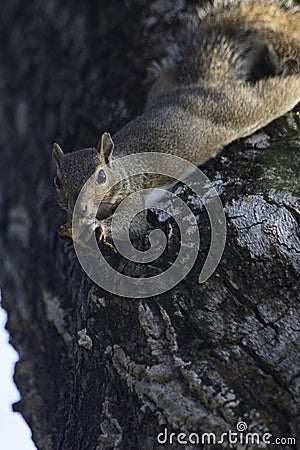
(83, 208)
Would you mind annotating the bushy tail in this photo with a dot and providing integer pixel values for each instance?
(238, 39)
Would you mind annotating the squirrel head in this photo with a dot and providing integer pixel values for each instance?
(74, 169)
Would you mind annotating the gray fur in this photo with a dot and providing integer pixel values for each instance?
(234, 69)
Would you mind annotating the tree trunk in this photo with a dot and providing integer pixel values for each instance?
(197, 359)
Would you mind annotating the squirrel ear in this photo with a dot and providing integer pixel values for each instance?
(105, 147)
(57, 153)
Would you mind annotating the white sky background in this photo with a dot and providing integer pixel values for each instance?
(14, 432)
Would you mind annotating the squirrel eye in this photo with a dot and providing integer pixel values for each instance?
(57, 183)
(101, 177)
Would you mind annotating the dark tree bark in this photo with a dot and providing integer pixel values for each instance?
(197, 359)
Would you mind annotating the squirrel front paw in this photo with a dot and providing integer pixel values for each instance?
(65, 230)
(102, 239)
(85, 231)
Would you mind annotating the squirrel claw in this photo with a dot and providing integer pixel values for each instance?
(103, 240)
(65, 230)
(85, 234)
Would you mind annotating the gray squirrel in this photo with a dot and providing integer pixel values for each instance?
(234, 69)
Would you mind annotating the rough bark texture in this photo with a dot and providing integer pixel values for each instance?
(199, 358)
